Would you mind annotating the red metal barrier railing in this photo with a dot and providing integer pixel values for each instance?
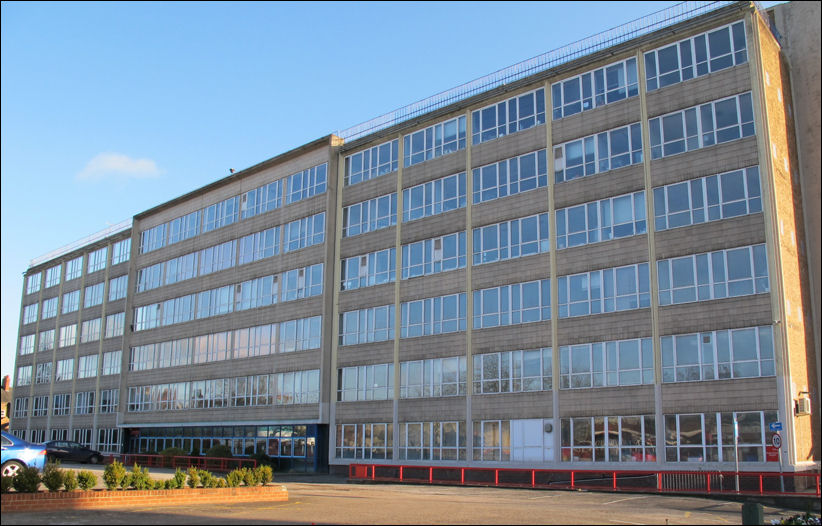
(160, 461)
(698, 482)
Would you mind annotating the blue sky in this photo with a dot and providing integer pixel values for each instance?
(109, 109)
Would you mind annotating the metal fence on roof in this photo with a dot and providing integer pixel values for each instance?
(110, 231)
(617, 35)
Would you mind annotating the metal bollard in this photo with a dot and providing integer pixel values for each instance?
(752, 513)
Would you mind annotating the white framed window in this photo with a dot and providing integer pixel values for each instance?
(367, 270)
(609, 439)
(184, 227)
(178, 269)
(307, 183)
(87, 366)
(90, 330)
(115, 324)
(594, 89)
(259, 245)
(21, 407)
(97, 260)
(603, 220)
(153, 238)
(215, 302)
(371, 215)
(438, 315)
(109, 401)
(30, 313)
(118, 288)
(221, 214)
(374, 324)
(108, 439)
(509, 116)
(513, 371)
(713, 275)
(61, 405)
(74, 268)
(40, 405)
(434, 197)
(512, 304)
(27, 344)
(218, 257)
(93, 295)
(432, 441)
(612, 363)
(297, 387)
(365, 382)
(112, 362)
(68, 335)
(255, 341)
(46, 340)
(300, 335)
(71, 301)
(49, 309)
(84, 403)
(33, 282)
(149, 277)
(262, 199)
(598, 153)
(304, 232)
(65, 370)
(511, 239)
(372, 163)
(303, 282)
(121, 251)
(53, 276)
(607, 290)
(365, 441)
(23, 375)
(709, 437)
(42, 374)
(434, 255)
(510, 176)
(434, 141)
(433, 378)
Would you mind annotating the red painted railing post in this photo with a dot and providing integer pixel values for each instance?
(462, 479)
(533, 478)
(572, 479)
(760, 483)
(400, 473)
(430, 475)
(708, 481)
(614, 475)
(658, 481)
(373, 471)
(496, 477)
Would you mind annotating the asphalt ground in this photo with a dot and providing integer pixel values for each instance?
(329, 499)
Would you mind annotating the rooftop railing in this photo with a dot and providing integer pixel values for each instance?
(617, 35)
(110, 231)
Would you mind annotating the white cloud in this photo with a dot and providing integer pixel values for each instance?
(118, 166)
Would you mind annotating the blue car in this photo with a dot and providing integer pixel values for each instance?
(18, 454)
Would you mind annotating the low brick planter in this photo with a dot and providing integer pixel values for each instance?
(82, 500)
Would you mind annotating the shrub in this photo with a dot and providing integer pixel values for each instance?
(169, 484)
(140, 478)
(126, 482)
(169, 453)
(193, 477)
(6, 484)
(250, 477)
(86, 480)
(220, 450)
(113, 475)
(234, 478)
(264, 474)
(52, 476)
(158, 484)
(221, 483)
(70, 480)
(27, 480)
(263, 459)
(206, 478)
(179, 478)
(807, 518)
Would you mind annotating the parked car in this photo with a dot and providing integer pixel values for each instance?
(17, 454)
(72, 451)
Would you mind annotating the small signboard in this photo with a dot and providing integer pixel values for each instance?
(776, 440)
(775, 426)
(771, 454)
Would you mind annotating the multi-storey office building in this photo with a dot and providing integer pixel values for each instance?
(602, 262)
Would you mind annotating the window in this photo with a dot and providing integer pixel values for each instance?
(255, 341)
(43, 373)
(259, 245)
(118, 288)
(262, 199)
(366, 382)
(49, 309)
(711, 198)
(602, 220)
(300, 335)
(701, 126)
(109, 438)
(153, 238)
(87, 366)
(708, 52)
(601, 364)
(61, 405)
(121, 251)
(371, 163)
(432, 441)
(46, 340)
(370, 269)
(511, 239)
(596, 88)
(23, 375)
(509, 116)
(111, 362)
(109, 400)
(90, 330)
(97, 260)
(303, 282)
(367, 216)
(68, 335)
(21, 407)
(304, 232)
(27, 344)
(30, 313)
(713, 275)
(149, 277)
(115, 324)
(512, 304)
(513, 440)
(217, 258)
(718, 355)
(433, 378)
(428, 316)
(375, 324)
(221, 214)
(510, 177)
(53, 276)
(609, 439)
(251, 390)
(298, 387)
(74, 268)
(65, 370)
(607, 290)
(183, 228)
(33, 282)
(598, 153)
(92, 296)
(307, 183)
(210, 303)
(71, 301)
(431, 256)
(365, 441)
(434, 197)
(709, 437)
(206, 348)
(434, 141)
(84, 403)
(41, 405)
(513, 371)
(178, 269)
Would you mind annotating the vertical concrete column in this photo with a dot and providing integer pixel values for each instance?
(103, 328)
(552, 261)
(652, 272)
(469, 299)
(30, 389)
(57, 346)
(397, 305)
